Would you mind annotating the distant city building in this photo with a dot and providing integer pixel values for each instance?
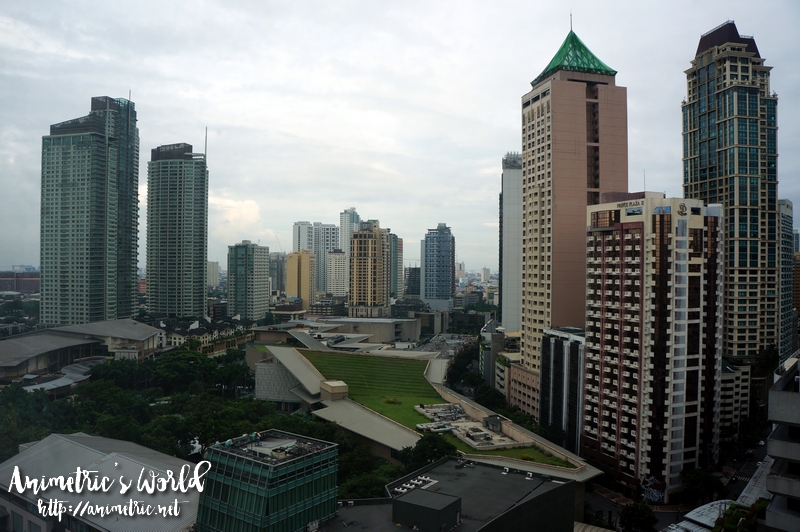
(728, 91)
(562, 384)
(574, 148)
(24, 268)
(321, 239)
(277, 270)
(370, 274)
(437, 268)
(397, 267)
(142, 286)
(788, 330)
(796, 233)
(24, 282)
(177, 231)
(212, 276)
(284, 482)
(412, 282)
(510, 282)
(301, 277)
(337, 273)
(248, 280)
(349, 222)
(89, 215)
(460, 272)
(485, 274)
(653, 316)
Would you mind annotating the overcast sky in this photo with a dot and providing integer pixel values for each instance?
(403, 110)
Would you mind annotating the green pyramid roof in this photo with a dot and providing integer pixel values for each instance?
(575, 56)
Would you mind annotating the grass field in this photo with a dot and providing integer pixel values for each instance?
(373, 380)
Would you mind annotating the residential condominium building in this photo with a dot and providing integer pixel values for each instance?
(321, 239)
(277, 270)
(349, 222)
(437, 268)
(730, 131)
(398, 286)
(269, 480)
(510, 283)
(177, 231)
(653, 317)
(337, 273)
(370, 272)
(301, 277)
(248, 280)
(561, 398)
(788, 320)
(212, 274)
(574, 148)
(89, 215)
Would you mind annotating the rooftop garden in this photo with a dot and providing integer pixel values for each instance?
(392, 386)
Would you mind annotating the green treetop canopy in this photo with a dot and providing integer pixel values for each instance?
(574, 55)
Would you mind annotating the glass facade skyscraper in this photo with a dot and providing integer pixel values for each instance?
(730, 130)
(89, 215)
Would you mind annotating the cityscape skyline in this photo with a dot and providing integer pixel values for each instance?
(397, 154)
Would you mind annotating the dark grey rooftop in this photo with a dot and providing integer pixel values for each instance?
(17, 349)
(725, 33)
(127, 329)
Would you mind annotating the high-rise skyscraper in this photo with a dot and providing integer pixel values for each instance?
(370, 275)
(398, 285)
(248, 280)
(349, 221)
(321, 239)
(730, 156)
(337, 273)
(89, 215)
(437, 268)
(574, 147)
(787, 343)
(177, 231)
(652, 351)
(212, 274)
(277, 270)
(511, 242)
(301, 277)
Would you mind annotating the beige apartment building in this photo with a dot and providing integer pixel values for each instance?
(574, 148)
(370, 271)
(301, 277)
(652, 373)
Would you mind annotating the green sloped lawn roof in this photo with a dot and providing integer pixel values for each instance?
(575, 56)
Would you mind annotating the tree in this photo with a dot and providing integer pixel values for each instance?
(429, 448)
(637, 517)
(700, 484)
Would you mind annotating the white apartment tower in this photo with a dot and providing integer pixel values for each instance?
(653, 344)
(337, 273)
(511, 242)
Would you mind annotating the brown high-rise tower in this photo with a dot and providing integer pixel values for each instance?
(574, 147)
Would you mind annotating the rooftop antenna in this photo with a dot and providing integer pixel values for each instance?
(205, 148)
(644, 179)
(129, 95)
(570, 19)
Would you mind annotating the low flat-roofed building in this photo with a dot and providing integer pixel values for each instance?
(475, 497)
(64, 454)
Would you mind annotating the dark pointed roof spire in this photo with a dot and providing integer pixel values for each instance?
(575, 56)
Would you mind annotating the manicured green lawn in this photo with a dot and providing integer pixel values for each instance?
(371, 380)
